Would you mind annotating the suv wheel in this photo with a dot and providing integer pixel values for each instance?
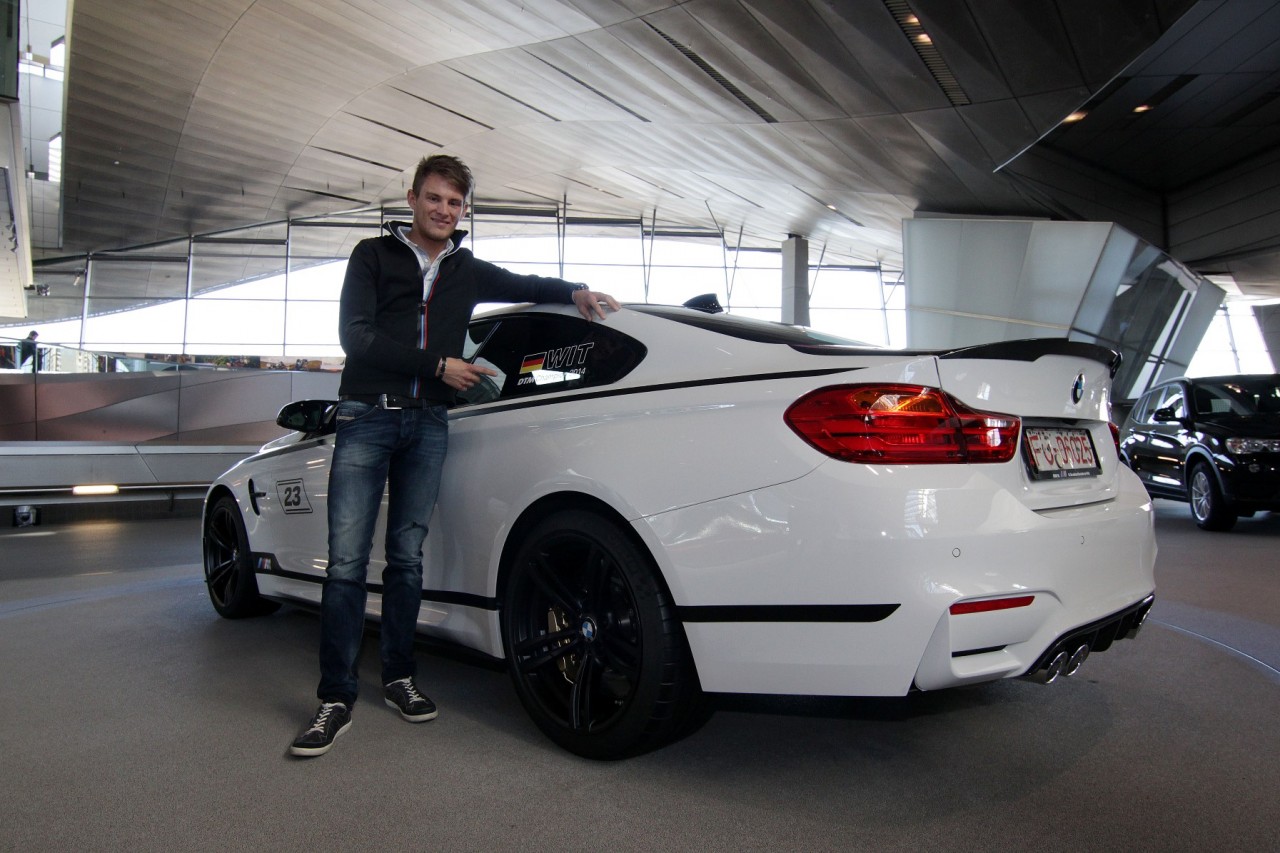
(1208, 506)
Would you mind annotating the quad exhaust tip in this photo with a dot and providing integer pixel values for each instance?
(1077, 658)
(1064, 663)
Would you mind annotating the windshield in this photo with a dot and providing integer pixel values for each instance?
(1238, 395)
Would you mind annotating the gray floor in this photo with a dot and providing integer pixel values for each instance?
(135, 718)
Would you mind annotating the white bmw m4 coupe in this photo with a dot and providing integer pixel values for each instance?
(676, 502)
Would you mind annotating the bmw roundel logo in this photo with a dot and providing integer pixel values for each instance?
(1077, 389)
(588, 629)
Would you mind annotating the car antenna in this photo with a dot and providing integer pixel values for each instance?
(706, 302)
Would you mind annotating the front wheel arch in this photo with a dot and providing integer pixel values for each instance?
(547, 506)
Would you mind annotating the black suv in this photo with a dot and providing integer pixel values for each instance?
(1212, 441)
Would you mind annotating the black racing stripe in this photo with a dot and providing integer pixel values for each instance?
(787, 612)
(466, 599)
(532, 402)
(267, 565)
(969, 652)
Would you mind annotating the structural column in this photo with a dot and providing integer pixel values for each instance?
(1268, 317)
(795, 280)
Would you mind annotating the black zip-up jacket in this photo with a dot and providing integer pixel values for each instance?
(394, 340)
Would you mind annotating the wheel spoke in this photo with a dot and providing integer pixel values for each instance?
(218, 533)
(525, 647)
(220, 576)
(580, 698)
(552, 586)
(535, 663)
(620, 653)
(597, 571)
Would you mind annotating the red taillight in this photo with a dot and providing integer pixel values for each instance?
(896, 424)
(991, 604)
(1115, 436)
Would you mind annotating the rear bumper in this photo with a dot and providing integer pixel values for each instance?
(1095, 637)
(783, 583)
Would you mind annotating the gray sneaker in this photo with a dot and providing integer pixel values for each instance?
(331, 720)
(403, 695)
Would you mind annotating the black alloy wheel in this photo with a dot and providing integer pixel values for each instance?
(1208, 506)
(595, 651)
(228, 564)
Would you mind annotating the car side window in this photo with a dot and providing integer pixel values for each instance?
(1151, 405)
(542, 353)
(1142, 409)
(1168, 404)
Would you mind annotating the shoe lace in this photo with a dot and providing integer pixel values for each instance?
(322, 717)
(411, 690)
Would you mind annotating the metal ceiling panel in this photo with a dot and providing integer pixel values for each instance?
(738, 114)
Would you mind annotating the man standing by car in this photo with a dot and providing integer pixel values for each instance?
(406, 301)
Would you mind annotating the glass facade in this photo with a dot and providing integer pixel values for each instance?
(269, 293)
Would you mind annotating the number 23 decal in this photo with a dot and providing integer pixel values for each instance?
(293, 496)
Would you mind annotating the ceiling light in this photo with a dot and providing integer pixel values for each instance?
(909, 22)
(95, 490)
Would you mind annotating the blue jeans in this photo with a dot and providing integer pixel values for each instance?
(402, 450)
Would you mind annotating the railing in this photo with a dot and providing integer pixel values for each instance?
(146, 427)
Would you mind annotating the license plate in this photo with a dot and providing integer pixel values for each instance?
(1058, 454)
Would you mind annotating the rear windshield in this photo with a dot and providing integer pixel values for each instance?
(747, 328)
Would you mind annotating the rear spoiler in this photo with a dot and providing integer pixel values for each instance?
(1030, 349)
(1027, 349)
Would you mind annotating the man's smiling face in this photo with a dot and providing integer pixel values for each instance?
(437, 207)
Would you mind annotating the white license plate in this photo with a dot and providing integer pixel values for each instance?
(1056, 454)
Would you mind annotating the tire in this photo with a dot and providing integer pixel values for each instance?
(1209, 508)
(228, 564)
(594, 648)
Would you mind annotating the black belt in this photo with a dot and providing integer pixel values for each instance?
(390, 401)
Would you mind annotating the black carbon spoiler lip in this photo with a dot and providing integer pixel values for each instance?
(1031, 349)
(1026, 349)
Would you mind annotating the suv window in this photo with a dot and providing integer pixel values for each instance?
(1168, 399)
(541, 353)
(1143, 408)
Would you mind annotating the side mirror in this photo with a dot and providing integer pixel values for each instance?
(306, 416)
(1166, 415)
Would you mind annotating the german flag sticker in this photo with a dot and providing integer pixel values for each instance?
(533, 362)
